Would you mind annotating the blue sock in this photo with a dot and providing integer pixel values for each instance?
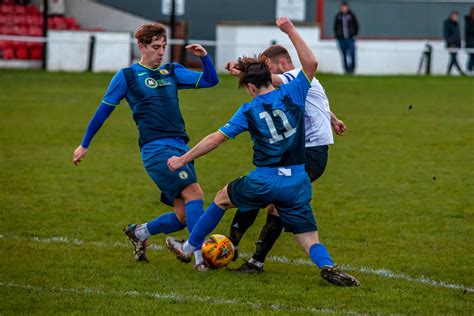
(166, 223)
(320, 255)
(194, 210)
(208, 221)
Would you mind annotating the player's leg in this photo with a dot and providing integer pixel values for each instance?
(318, 253)
(194, 207)
(240, 224)
(316, 161)
(206, 223)
(171, 184)
(267, 238)
(166, 223)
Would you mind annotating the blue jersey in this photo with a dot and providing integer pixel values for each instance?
(153, 98)
(275, 121)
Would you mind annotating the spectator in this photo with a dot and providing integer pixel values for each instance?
(345, 29)
(469, 38)
(452, 36)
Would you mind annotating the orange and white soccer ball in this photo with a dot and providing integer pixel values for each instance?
(217, 251)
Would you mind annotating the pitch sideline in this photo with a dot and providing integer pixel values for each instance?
(279, 259)
(176, 297)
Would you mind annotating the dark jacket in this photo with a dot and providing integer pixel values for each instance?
(352, 25)
(451, 34)
(469, 31)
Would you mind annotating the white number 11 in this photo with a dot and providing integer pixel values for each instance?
(271, 126)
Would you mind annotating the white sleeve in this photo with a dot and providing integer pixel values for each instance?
(283, 78)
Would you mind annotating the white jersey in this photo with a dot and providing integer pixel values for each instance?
(317, 117)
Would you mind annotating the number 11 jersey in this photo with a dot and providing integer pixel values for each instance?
(275, 121)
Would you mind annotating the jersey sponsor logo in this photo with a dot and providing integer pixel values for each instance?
(152, 83)
(141, 74)
(164, 72)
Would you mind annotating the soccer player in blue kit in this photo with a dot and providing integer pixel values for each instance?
(151, 90)
(275, 121)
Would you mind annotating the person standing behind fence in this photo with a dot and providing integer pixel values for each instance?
(452, 35)
(469, 38)
(346, 29)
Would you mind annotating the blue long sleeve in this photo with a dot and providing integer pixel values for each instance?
(209, 75)
(102, 113)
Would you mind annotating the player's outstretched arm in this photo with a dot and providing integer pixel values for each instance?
(305, 55)
(102, 113)
(209, 76)
(206, 145)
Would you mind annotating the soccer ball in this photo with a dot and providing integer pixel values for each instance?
(217, 251)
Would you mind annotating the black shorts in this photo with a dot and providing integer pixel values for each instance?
(316, 161)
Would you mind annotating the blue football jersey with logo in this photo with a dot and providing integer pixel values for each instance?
(153, 98)
(275, 121)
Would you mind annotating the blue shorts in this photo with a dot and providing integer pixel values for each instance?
(290, 194)
(155, 155)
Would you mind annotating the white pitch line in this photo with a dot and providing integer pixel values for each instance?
(176, 297)
(280, 259)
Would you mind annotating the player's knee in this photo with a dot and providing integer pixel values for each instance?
(192, 192)
(222, 199)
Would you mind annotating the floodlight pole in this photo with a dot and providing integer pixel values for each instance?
(172, 26)
(45, 32)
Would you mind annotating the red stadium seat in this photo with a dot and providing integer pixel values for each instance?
(21, 51)
(8, 20)
(34, 30)
(20, 9)
(7, 30)
(32, 9)
(36, 51)
(19, 19)
(20, 30)
(8, 51)
(7, 8)
(32, 19)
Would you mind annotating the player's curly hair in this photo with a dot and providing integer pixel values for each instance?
(147, 32)
(254, 70)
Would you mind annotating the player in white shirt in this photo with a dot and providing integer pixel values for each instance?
(318, 122)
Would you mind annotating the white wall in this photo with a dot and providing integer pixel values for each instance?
(70, 51)
(373, 56)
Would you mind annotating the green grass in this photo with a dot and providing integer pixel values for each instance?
(397, 195)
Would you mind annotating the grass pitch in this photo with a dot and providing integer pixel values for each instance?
(394, 207)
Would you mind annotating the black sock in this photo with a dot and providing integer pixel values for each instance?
(240, 224)
(268, 235)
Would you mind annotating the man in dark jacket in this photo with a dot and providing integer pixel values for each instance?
(469, 38)
(345, 29)
(452, 35)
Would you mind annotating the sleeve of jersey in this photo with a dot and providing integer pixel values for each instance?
(298, 88)
(116, 91)
(236, 125)
(189, 79)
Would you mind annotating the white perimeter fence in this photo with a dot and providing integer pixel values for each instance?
(72, 51)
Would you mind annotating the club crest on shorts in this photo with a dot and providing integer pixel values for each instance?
(183, 175)
(150, 82)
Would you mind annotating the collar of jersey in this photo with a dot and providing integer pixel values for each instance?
(152, 69)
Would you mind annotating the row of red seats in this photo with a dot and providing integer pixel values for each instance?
(54, 22)
(32, 30)
(21, 50)
(19, 9)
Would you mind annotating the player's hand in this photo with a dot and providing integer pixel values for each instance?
(285, 24)
(338, 126)
(230, 67)
(175, 162)
(196, 50)
(79, 153)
